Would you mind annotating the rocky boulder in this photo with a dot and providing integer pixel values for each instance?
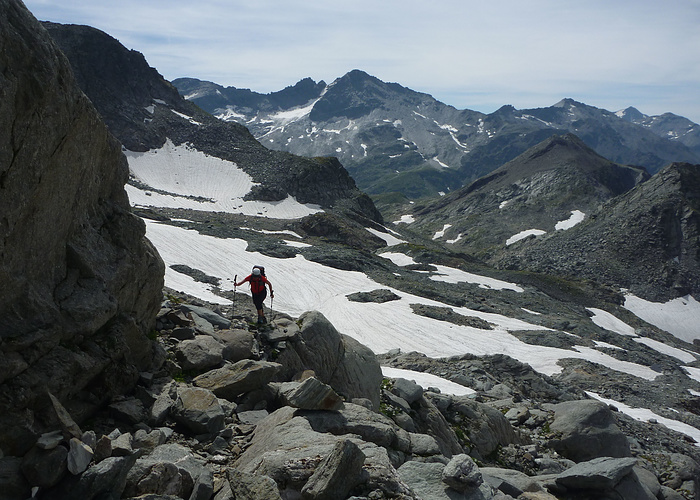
(80, 283)
(587, 430)
(349, 367)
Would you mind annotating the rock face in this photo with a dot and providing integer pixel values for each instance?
(80, 283)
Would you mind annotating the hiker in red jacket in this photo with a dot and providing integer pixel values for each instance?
(257, 282)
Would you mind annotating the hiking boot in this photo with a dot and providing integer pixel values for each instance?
(260, 320)
(264, 320)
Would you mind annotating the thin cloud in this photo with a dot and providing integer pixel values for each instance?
(529, 54)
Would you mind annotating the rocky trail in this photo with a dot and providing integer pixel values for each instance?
(297, 410)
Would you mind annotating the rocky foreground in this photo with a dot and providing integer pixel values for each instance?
(298, 410)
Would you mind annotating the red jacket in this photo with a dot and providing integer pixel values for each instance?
(257, 283)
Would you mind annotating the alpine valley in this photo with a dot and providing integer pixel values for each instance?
(466, 306)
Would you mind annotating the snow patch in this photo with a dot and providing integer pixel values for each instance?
(400, 259)
(405, 219)
(524, 234)
(693, 373)
(679, 317)
(598, 343)
(183, 177)
(680, 354)
(389, 239)
(452, 275)
(188, 118)
(441, 232)
(282, 231)
(606, 320)
(442, 164)
(645, 415)
(297, 244)
(576, 217)
(426, 380)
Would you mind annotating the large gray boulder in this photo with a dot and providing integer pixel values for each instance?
(462, 474)
(200, 353)
(171, 469)
(290, 444)
(337, 474)
(486, 427)
(587, 430)
(252, 486)
(238, 344)
(81, 285)
(232, 380)
(426, 480)
(199, 410)
(349, 367)
(608, 477)
(105, 478)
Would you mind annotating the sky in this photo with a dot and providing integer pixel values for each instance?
(469, 54)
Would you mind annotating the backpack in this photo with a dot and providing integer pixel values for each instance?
(257, 283)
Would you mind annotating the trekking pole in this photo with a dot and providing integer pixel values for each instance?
(235, 280)
(272, 317)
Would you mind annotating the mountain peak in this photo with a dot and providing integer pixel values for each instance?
(631, 114)
(566, 103)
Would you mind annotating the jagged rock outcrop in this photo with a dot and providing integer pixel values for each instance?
(80, 283)
(337, 360)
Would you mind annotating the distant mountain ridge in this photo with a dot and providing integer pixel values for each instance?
(536, 190)
(143, 110)
(562, 209)
(645, 240)
(391, 138)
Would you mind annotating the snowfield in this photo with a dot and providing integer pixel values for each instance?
(182, 177)
(679, 317)
(301, 285)
(606, 320)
